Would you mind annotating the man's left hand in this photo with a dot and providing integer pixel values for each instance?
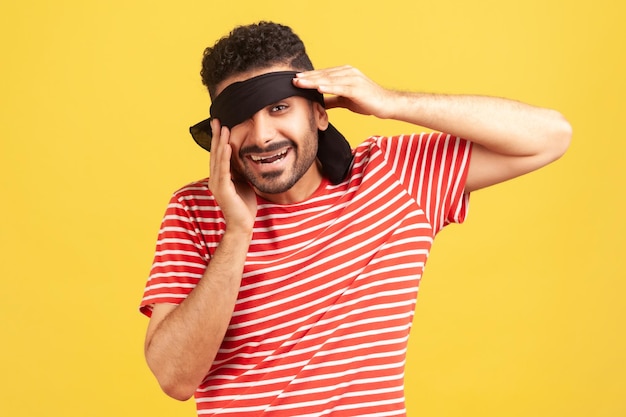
(349, 88)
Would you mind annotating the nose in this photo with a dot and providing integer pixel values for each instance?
(262, 129)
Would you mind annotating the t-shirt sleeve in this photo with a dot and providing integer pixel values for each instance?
(180, 259)
(433, 168)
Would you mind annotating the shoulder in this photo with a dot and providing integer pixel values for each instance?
(193, 192)
(195, 199)
(199, 187)
(411, 157)
(414, 145)
(390, 147)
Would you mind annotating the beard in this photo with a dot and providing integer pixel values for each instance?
(283, 179)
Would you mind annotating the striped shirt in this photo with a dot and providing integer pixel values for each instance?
(322, 320)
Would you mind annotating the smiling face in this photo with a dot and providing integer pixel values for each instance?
(275, 150)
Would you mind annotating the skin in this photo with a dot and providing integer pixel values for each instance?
(509, 139)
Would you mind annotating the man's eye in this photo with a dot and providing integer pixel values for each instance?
(279, 107)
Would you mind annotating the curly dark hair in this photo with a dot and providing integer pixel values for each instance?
(255, 46)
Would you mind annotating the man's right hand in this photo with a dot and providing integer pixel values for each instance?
(236, 198)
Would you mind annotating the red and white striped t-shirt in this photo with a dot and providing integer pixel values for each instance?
(329, 286)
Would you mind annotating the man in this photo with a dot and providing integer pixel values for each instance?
(285, 284)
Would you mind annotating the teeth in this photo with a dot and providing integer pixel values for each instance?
(274, 157)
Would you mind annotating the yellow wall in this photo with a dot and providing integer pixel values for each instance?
(522, 310)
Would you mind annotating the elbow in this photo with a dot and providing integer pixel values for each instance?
(176, 390)
(560, 138)
(172, 383)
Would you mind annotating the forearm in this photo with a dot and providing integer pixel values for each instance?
(183, 344)
(510, 138)
(503, 126)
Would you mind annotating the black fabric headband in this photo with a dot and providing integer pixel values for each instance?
(241, 100)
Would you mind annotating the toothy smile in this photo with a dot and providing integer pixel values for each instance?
(269, 159)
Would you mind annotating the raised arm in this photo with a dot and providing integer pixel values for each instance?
(182, 341)
(510, 138)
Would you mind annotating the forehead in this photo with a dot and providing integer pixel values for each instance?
(242, 76)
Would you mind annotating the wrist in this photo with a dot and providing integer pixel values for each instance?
(399, 104)
(238, 235)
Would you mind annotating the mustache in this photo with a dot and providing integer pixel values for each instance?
(270, 148)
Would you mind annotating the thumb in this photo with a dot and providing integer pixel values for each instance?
(333, 102)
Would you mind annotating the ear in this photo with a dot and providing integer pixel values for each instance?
(321, 117)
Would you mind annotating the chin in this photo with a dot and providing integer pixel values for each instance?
(275, 184)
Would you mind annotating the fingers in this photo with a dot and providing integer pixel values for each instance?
(328, 72)
(348, 88)
(215, 128)
(333, 102)
(336, 80)
(220, 154)
(237, 200)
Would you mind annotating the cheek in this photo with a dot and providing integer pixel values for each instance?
(238, 134)
(236, 168)
(319, 117)
(235, 140)
(235, 159)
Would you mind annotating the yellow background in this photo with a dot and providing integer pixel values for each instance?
(521, 311)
